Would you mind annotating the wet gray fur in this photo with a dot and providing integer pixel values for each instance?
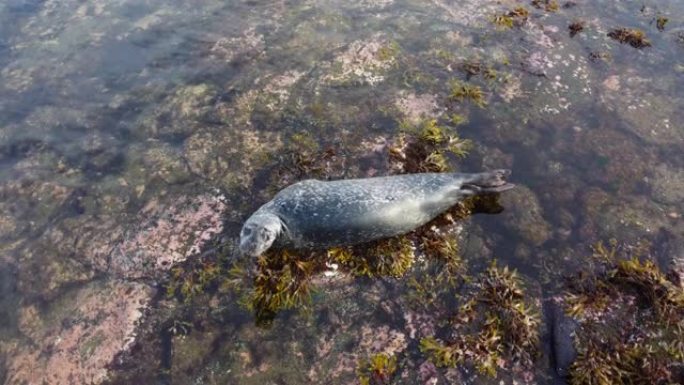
(320, 214)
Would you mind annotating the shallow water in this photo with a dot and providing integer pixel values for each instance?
(135, 136)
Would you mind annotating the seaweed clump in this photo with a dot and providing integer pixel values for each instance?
(460, 91)
(599, 57)
(185, 284)
(576, 27)
(632, 36)
(424, 148)
(379, 370)
(303, 158)
(631, 318)
(475, 68)
(547, 5)
(386, 257)
(280, 280)
(660, 22)
(517, 17)
(493, 323)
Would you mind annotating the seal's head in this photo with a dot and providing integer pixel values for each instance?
(259, 233)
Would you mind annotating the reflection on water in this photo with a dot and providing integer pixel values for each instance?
(137, 136)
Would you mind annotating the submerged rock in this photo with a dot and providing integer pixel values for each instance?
(249, 45)
(167, 164)
(668, 185)
(77, 337)
(645, 106)
(169, 233)
(364, 61)
(230, 157)
(179, 114)
(628, 218)
(524, 216)
(418, 108)
(89, 268)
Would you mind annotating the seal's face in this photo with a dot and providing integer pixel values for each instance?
(259, 233)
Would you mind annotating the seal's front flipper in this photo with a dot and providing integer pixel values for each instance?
(487, 183)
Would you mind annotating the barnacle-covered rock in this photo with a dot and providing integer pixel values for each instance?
(364, 61)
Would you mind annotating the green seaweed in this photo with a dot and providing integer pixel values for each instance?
(459, 91)
(458, 119)
(282, 282)
(423, 147)
(379, 370)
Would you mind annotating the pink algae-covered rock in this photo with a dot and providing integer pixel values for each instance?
(416, 108)
(169, 233)
(74, 342)
(81, 331)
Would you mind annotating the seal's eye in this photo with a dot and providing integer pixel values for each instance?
(246, 232)
(266, 235)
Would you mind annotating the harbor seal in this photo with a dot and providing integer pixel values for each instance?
(315, 214)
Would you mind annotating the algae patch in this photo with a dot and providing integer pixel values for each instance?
(631, 320)
(493, 324)
(632, 36)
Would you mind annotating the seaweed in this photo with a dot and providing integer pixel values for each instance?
(493, 322)
(282, 281)
(503, 21)
(598, 56)
(631, 319)
(576, 27)
(632, 36)
(458, 119)
(472, 68)
(301, 160)
(423, 147)
(379, 370)
(516, 17)
(475, 68)
(391, 257)
(186, 283)
(547, 5)
(519, 12)
(660, 22)
(460, 91)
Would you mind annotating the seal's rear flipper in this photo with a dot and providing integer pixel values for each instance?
(487, 183)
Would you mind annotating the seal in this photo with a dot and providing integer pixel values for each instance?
(319, 214)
